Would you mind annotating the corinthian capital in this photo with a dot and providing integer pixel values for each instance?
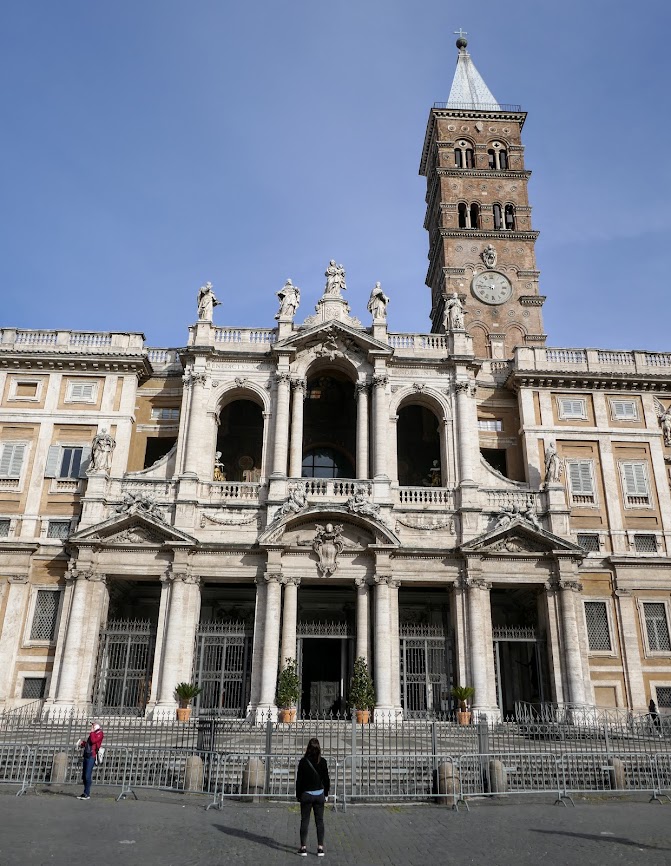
(283, 378)
(380, 380)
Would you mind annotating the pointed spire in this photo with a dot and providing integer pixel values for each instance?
(468, 88)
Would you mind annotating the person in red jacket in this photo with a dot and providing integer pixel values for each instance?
(90, 746)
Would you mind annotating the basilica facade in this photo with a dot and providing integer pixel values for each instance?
(462, 507)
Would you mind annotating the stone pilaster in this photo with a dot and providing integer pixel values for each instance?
(299, 387)
(12, 627)
(257, 645)
(479, 647)
(289, 614)
(380, 424)
(362, 618)
(630, 649)
(394, 637)
(195, 455)
(382, 645)
(362, 428)
(463, 390)
(572, 658)
(271, 638)
(281, 437)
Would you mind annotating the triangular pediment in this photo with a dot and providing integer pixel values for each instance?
(131, 530)
(520, 537)
(359, 530)
(334, 339)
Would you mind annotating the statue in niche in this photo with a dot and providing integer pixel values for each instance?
(218, 474)
(435, 475)
(102, 448)
(489, 256)
(665, 423)
(358, 504)
(296, 501)
(453, 314)
(377, 303)
(207, 301)
(290, 298)
(554, 465)
(335, 279)
(328, 544)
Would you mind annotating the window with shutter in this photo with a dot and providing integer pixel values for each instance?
(570, 409)
(635, 484)
(656, 626)
(45, 617)
(598, 631)
(81, 392)
(581, 482)
(11, 459)
(624, 410)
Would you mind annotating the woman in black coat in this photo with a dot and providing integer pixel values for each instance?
(312, 790)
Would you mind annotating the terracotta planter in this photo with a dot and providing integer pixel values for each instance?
(288, 714)
(362, 717)
(183, 714)
(463, 717)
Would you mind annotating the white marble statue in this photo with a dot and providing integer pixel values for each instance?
(358, 504)
(207, 301)
(335, 279)
(665, 422)
(102, 448)
(290, 298)
(453, 314)
(296, 501)
(377, 303)
(553, 464)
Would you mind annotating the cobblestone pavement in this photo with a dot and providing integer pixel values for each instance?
(171, 830)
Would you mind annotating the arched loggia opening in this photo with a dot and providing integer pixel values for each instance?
(239, 442)
(419, 457)
(329, 426)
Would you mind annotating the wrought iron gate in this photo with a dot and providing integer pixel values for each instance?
(423, 669)
(532, 669)
(223, 667)
(125, 661)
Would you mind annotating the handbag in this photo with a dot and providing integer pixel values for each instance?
(100, 756)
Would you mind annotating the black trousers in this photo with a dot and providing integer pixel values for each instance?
(309, 803)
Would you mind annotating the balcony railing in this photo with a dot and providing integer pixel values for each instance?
(331, 488)
(425, 496)
(603, 361)
(227, 491)
(497, 500)
(418, 344)
(70, 341)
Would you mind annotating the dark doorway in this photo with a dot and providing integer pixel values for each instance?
(329, 426)
(240, 441)
(323, 675)
(496, 457)
(157, 447)
(418, 448)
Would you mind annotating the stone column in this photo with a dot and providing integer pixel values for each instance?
(362, 600)
(271, 638)
(479, 646)
(73, 650)
(177, 663)
(17, 599)
(629, 647)
(568, 592)
(281, 425)
(463, 390)
(362, 427)
(381, 424)
(257, 645)
(289, 613)
(194, 463)
(394, 637)
(382, 645)
(296, 451)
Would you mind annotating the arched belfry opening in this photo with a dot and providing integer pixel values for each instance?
(419, 453)
(329, 426)
(239, 442)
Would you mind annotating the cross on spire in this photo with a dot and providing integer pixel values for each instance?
(460, 33)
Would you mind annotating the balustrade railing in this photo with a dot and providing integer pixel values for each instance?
(497, 500)
(418, 342)
(332, 488)
(249, 336)
(243, 491)
(423, 496)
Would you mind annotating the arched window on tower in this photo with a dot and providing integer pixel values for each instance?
(498, 217)
(475, 215)
(463, 154)
(463, 215)
(498, 156)
(510, 217)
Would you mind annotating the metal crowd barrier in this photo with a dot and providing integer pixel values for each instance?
(252, 777)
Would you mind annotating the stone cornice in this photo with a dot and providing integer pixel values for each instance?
(489, 235)
(42, 361)
(574, 380)
(483, 172)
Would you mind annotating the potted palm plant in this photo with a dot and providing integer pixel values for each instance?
(361, 691)
(463, 694)
(288, 691)
(185, 693)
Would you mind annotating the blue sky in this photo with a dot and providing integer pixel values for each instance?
(149, 146)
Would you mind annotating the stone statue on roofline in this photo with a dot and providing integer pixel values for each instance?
(377, 303)
(207, 301)
(290, 298)
(102, 448)
(335, 279)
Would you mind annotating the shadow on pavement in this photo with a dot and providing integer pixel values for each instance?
(597, 837)
(254, 837)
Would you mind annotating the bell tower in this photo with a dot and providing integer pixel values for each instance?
(481, 243)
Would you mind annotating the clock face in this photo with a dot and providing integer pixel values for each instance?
(492, 287)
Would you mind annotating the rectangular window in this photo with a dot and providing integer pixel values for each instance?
(624, 410)
(589, 541)
(581, 482)
(635, 484)
(71, 462)
(598, 631)
(34, 688)
(25, 391)
(67, 461)
(656, 626)
(45, 618)
(165, 414)
(491, 425)
(11, 459)
(81, 392)
(645, 543)
(572, 409)
(663, 697)
(58, 529)
(5, 526)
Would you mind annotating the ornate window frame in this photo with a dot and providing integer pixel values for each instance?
(628, 498)
(595, 498)
(613, 652)
(15, 381)
(640, 602)
(571, 416)
(612, 401)
(89, 401)
(27, 641)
